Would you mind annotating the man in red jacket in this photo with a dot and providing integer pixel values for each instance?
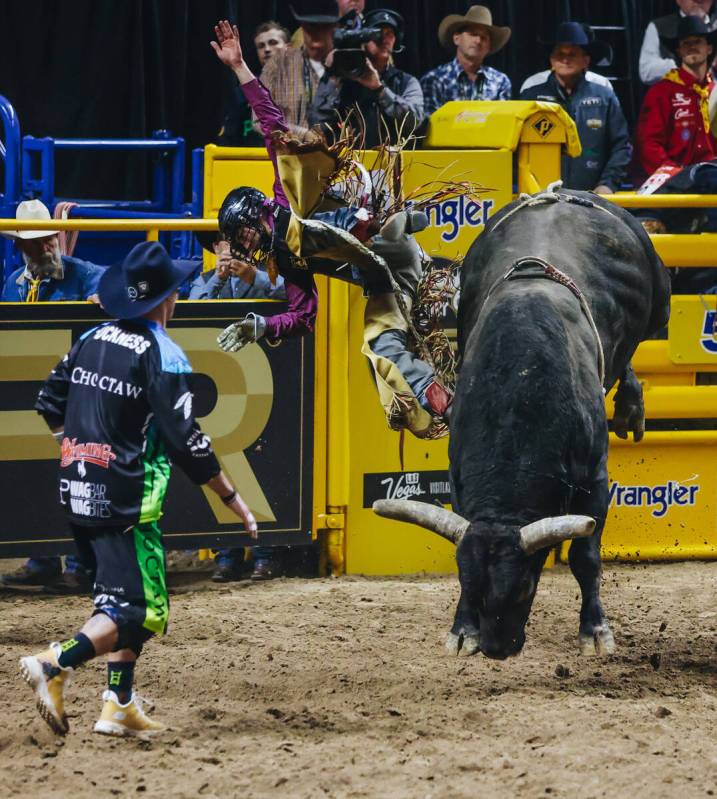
(674, 128)
(674, 146)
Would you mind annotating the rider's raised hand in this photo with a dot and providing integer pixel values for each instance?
(228, 50)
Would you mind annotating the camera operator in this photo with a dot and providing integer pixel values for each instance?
(361, 74)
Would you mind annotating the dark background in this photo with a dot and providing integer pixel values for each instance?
(123, 68)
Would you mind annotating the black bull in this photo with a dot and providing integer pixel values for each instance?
(529, 433)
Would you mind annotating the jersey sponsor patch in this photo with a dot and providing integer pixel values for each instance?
(185, 403)
(90, 452)
(86, 499)
(199, 444)
(678, 98)
(115, 335)
(122, 388)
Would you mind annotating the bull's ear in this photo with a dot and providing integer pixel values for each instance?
(554, 530)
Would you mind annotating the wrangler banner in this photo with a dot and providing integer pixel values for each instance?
(255, 404)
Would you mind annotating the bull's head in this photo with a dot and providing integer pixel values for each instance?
(499, 566)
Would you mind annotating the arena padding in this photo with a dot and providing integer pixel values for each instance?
(663, 490)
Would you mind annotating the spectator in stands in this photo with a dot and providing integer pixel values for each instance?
(594, 108)
(232, 279)
(236, 280)
(674, 146)
(474, 38)
(389, 101)
(656, 57)
(292, 75)
(673, 128)
(47, 276)
(344, 7)
(237, 128)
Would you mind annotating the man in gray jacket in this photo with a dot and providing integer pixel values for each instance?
(389, 100)
(594, 108)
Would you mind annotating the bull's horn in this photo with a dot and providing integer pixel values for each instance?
(551, 531)
(444, 522)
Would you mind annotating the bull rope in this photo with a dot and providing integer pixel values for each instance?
(553, 273)
(549, 196)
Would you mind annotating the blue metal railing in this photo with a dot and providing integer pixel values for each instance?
(10, 153)
(168, 181)
(30, 173)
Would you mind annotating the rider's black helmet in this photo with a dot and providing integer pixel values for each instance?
(244, 208)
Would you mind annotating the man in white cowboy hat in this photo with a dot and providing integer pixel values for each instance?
(47, 275)
(474, 38)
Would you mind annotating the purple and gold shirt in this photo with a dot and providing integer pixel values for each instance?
(301, 291)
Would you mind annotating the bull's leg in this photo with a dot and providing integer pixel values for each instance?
(595, 636)
(629, 413)
(465, 634)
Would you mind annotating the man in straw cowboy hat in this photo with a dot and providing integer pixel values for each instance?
(474, 38)
(120, 406)
(47, 276)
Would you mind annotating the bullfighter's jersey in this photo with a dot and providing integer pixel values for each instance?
(123, 397)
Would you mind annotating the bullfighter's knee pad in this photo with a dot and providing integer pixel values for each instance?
(132, 636)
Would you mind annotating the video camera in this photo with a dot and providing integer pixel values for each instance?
(349, 40)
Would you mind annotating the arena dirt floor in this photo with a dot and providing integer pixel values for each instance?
(341, 688)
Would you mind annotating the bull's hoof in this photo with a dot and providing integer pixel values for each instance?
(600, 643)
(462, 644)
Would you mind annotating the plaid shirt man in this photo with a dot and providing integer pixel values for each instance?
(292, 81)
(450, 82)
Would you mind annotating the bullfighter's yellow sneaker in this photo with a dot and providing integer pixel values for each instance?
(126, 720)
(48, 680)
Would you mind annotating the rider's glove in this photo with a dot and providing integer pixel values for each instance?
(251, 328)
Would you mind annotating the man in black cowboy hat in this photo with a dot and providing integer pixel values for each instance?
(292, 76)
(120, 406)
(389, 100)
(594, 108)
(674, 125)
(657, 55)
(674, 143)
